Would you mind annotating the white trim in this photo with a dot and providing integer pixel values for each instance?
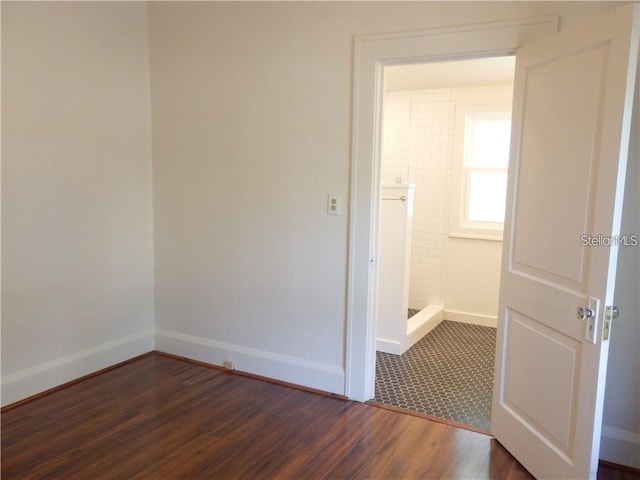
(620, 434)
(319, 376)
(417, 327)
(459, 225)
(389, 346)
(39, 378)
(472, 318)
(422, 323)
(472, 236)
(620, 446)
(371, 55)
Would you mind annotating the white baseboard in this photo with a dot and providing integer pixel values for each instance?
(422, 323)
(39, 378)
(473, 318)
(319, 376)
(388, 346)
(620, 446)
(417, 327)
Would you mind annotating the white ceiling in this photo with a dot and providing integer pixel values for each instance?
(476, 72)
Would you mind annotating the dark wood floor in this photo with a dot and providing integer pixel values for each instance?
(159, 417)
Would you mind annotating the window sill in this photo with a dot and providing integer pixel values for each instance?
(491, 236)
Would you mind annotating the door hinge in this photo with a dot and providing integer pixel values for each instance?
(610, 312)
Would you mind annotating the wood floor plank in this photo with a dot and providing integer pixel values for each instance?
(163, 418)
(470, 461)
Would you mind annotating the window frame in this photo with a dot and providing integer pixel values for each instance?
(460, 226)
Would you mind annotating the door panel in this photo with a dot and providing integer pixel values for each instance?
(566, 91)
(571, 117)
(522, 397)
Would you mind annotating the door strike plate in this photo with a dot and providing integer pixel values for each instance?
(590, 314)
(610, 312)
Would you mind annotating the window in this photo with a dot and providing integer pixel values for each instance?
(480, 177)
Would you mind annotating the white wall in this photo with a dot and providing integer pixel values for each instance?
(76, 191)
(621, 418)
(473, 281)
(251, 130)
(418, 145)
(394, 258)
(473, 265)
(251, 115)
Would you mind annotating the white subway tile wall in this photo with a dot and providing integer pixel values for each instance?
(417, 146)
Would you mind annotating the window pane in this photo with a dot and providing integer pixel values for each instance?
(487, 194)
(489, 141)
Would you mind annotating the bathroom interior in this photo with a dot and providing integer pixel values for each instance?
(433, 267)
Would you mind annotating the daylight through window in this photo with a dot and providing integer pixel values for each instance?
(486, 158)
(480, 174)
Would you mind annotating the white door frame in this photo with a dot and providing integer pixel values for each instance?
(372, 54)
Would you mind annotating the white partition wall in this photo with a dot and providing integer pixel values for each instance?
(396, 216)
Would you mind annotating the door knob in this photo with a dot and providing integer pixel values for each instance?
(584, 313)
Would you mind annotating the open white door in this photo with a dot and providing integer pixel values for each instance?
(571, 120)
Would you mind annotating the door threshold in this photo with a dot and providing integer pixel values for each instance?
(445, 421)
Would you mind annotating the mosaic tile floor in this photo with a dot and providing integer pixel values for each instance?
(448, 374)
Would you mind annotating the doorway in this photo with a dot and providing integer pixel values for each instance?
(372, 54)
(439, 118)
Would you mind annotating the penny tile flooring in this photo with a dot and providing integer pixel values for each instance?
(447, 374)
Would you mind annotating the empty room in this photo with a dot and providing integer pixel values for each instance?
(191, 203)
